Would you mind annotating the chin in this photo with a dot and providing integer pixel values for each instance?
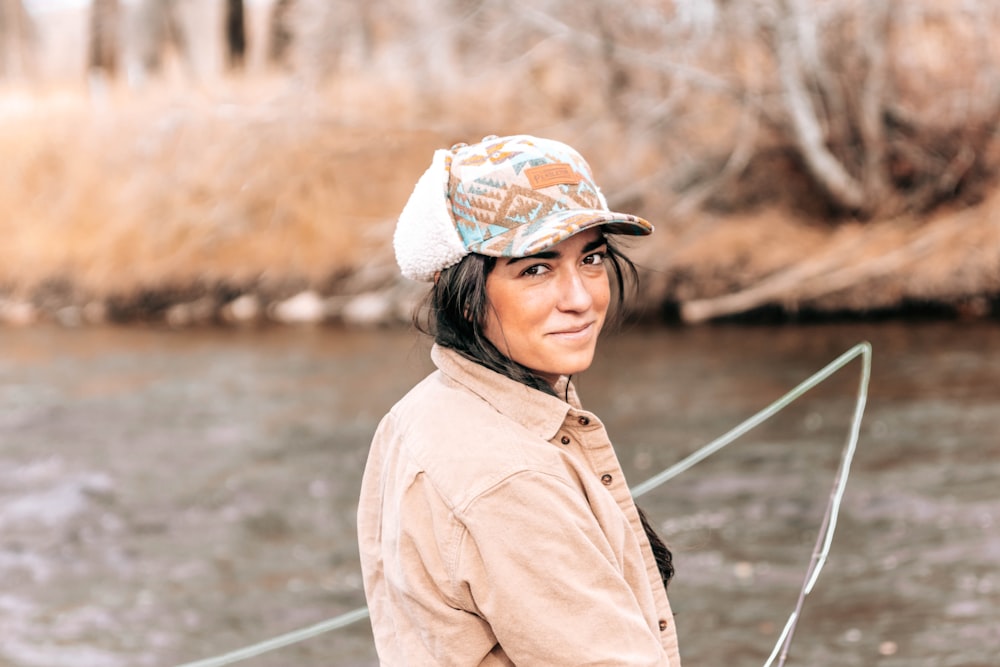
(574, 366)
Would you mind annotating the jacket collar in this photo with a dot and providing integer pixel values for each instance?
(540, 413)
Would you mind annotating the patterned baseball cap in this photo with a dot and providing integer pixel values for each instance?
(503, 197)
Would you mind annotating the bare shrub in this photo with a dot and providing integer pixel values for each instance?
(874, 108)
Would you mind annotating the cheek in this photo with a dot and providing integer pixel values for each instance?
(504, 310)
(601, 294)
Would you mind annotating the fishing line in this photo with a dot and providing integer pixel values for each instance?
(825, 536)
(820, 552)
(282, 640)
(684, 464)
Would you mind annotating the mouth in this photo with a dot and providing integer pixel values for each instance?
(574, 332)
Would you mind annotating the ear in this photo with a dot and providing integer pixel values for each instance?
(426, 239)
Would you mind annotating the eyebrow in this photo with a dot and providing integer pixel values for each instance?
(553, 254)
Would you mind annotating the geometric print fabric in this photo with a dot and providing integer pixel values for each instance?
(515, 196)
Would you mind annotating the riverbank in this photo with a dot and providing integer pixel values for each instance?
(196, 211)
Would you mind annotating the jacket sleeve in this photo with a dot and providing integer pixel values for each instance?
(535, 563)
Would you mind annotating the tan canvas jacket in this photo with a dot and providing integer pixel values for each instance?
(496, 528)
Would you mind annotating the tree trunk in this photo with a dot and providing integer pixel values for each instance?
(280, 35)
(236, 35)
(103, 49)
(16, 36)
(159, 28)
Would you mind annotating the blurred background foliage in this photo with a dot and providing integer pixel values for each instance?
(168, 158)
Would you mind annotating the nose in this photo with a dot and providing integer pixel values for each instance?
(574, 292)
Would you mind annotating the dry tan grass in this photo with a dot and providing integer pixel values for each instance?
(142, 193)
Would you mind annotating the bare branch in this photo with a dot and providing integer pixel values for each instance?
(550, 23)
(877, 27)
(829, 173)
(743, 149)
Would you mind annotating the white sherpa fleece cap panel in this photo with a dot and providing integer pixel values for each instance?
(426, 240)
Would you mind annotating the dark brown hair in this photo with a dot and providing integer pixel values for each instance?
(455, 316)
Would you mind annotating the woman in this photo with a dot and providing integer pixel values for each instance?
(495, 524)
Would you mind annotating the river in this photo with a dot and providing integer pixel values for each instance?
(171, 495)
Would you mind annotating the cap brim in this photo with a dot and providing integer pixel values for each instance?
(533, 238)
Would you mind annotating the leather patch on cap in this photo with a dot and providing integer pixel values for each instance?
(545, 175)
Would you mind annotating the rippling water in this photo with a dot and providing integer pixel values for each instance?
(170, 495)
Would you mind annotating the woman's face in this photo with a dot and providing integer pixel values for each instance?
(546, 311)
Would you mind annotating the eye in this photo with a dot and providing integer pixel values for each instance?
(595, 258)
(536, 270)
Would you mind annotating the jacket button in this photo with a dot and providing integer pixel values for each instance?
(565, 440)
(663, 625)
(584, 421)
(606, 479)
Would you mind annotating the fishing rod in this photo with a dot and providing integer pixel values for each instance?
(824, 538)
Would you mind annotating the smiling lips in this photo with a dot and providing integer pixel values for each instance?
(575, 332)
